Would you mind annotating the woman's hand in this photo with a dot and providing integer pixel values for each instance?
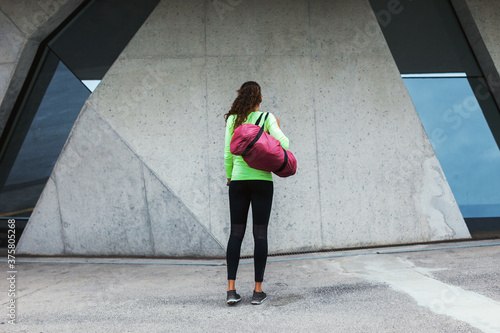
(278, 122)
(228, 181)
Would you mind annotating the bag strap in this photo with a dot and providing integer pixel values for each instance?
(250, 145)
(258, 120)
(265, 119)
(284, 162)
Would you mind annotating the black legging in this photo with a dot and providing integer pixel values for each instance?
(241, 194)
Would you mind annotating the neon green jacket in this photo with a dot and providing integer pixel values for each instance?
(236, 167)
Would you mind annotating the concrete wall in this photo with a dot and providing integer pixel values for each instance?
(23, 25)
(480, 21)
(486, 14)
(142, 172)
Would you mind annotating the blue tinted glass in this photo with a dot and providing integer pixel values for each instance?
(462, 140)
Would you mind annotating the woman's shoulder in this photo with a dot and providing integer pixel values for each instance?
(264, 114)
(267, 116)
(254, 115)
(270, 118)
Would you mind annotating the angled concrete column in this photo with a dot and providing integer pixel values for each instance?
(143, 170)
(486, 14)
(23, 25)
(480, 23)
(12, 42)
(121, 208)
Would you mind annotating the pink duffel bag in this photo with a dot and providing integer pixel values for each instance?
(262, 151)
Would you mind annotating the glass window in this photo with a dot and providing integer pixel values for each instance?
(447, 88)
(43, 143)
(462, 140)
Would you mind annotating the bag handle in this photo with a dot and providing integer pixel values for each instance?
(258, 119)
(250, 145)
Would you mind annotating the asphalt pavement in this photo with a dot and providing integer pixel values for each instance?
(443, 287)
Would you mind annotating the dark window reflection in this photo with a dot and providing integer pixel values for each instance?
(425, 36)
(42, 145)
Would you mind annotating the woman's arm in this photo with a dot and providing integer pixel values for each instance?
(274, 129)
(228, 156)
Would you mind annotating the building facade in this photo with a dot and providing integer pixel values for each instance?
(140, 170)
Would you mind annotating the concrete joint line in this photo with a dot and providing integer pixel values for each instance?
(63, 233)
(8, 63)
(14, 24)
(146, 200)
(321, 220)
(207, 158)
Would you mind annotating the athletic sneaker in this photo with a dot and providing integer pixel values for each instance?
(258, 298)
(233, 297)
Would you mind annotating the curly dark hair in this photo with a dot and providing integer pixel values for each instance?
(248, 98)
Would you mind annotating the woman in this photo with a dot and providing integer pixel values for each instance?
(248, 186)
